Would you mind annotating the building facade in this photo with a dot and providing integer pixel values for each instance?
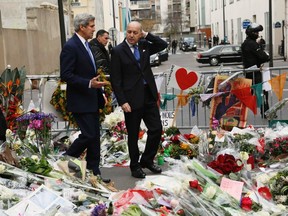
(229, 19)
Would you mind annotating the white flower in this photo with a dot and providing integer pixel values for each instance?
(263, 178)
(34, 157)
(2, 168)
(281, 198)
(281, 207)
(113, 118)
(174, 203)
(210, 192)
(148, 184)
(244, 156)
(113, 139)
(6, 193)
(262, 213)
(9, 133)
(82, 197)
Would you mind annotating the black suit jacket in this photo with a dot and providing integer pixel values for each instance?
(76, 69)
(126, 75)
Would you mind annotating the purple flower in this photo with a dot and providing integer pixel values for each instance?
(99, 210)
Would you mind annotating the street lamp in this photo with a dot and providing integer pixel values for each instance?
(61, 23)
(270, 35)
(224, 30)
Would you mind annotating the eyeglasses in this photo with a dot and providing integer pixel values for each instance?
(107, 38)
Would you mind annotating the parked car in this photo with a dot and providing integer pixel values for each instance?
(155, 60)
(187, 44)
(220, 54)
(163, 55)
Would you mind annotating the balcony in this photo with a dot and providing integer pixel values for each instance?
(140, 5)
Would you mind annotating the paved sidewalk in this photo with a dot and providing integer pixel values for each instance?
(121, 176)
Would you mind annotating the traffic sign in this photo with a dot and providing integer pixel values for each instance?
(246, 23)
(277, 25)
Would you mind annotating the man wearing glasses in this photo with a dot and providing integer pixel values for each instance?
(100, 53)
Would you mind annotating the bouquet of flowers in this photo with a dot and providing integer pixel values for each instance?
(226, 163)
(279, 187)
(11, 89)
(59, 102)
(35, 128)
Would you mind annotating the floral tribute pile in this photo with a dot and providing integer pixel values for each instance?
(215, 172)
(209, 172)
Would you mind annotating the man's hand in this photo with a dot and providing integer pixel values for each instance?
(97, 84)
(126, 107)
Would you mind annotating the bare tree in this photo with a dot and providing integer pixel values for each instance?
(148, 24)
(173, 24)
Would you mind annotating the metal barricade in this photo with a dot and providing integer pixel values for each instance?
(184, 119)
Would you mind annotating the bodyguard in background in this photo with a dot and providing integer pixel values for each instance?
(100, 53)
(136, 92)
(84, 96)
(254, 54)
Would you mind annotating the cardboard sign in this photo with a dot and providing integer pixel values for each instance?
(167, 118)
(234, 188)
(182, 78)
(227, 108)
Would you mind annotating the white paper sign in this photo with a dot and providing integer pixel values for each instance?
(266, 76)
(167, 118)
(182, 78)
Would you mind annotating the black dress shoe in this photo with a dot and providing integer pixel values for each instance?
(105, 180)
(152, 167)
(138, 173)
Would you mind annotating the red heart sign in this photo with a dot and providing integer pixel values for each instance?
(185, 79)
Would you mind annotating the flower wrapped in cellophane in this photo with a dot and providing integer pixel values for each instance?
(34, 129)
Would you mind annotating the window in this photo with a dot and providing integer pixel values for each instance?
(75, 3)
(227, 49)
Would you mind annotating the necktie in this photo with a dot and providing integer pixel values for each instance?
(137, 57)
(136, 53)
(90, 54)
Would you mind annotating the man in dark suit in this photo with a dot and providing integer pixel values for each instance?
(84, 95)
(136, 92)
(99, 51)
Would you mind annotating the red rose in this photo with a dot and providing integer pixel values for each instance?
(251, 161)
(175, 138)
(187, 136)
(246, 203)
(195, 184)
(227, 168)
(265, 193)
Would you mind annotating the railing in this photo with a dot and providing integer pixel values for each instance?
(184, 119)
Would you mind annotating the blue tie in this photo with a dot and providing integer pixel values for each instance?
(90, 54)
(137, 57)
(136, 53)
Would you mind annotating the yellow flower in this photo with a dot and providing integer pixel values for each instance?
(82, 197)
(2, 168)
(184, 146)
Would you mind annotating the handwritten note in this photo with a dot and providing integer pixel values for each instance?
(234, 188)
